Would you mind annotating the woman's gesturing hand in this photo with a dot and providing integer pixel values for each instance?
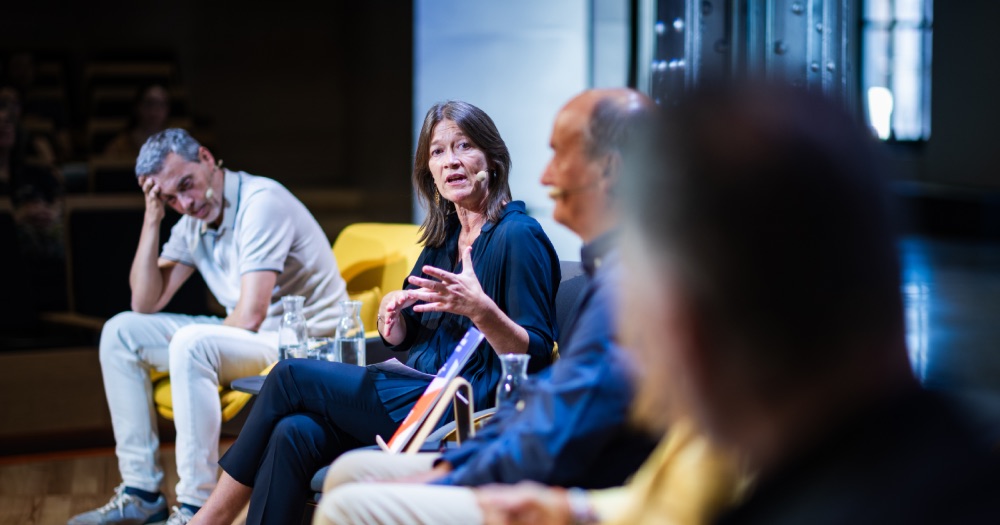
(454, 293)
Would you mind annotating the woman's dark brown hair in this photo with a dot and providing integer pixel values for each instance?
(480, 129)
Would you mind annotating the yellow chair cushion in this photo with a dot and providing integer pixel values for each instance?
(231, 400)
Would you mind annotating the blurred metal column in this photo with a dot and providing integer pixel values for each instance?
(809, 43)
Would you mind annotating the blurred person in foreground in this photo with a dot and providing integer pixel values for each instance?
(763, 288)
(252, 242)
(762, 295)
(573, 428)
(485, 263)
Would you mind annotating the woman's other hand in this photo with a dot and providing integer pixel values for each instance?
(390, 309)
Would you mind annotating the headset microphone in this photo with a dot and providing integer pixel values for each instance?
(481, 176)
(211, 178)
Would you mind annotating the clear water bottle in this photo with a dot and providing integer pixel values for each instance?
(515, 373)
(349, 343)
(292, 334)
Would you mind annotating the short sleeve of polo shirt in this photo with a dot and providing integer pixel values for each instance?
(264, 234)
(178, 246)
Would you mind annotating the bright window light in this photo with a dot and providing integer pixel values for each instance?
(880, 110)
(897, 59)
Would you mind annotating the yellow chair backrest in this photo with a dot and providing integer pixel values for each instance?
(373, 254)
(374, 259)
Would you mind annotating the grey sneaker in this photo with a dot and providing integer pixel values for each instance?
(180, 516)
(125, 509)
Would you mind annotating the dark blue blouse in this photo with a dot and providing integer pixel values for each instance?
(518, 268)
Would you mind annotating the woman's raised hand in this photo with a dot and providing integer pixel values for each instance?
(457, 293)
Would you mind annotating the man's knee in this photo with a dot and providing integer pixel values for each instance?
(349, 467)
(191, 342)
(346, 504)
(116, 334)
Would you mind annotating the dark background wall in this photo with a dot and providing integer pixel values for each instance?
(314, 94)
(319, 94)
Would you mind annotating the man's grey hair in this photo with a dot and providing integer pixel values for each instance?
(156, 148)
(615, 120)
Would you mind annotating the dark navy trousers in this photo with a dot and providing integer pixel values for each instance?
(307, 413)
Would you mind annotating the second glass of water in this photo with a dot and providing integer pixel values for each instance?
(292, 328)
(349, 344)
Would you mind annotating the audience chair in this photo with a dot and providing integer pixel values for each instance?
(128, 73)
(109, 175)
(100, 132)
(119, 101)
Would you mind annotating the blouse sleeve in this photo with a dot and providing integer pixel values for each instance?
(532, 277)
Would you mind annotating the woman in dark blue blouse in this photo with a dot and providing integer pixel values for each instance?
(485, 263)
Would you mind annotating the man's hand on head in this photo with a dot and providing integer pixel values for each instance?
(154, 205)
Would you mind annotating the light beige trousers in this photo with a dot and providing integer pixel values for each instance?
(354, 494)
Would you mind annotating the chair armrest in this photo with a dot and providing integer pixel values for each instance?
(376, 351)
(445, 433)
(250, 385)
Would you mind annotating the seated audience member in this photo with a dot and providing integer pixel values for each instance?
(38, 214)
(573, 428)
(19, 148)
(150, 112)
(763, 274)
(20, 76)
(485, 263)
(252, 242)
(28, 177)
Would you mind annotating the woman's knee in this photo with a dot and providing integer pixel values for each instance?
(301, 434)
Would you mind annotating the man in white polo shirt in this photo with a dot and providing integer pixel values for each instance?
(253, 242)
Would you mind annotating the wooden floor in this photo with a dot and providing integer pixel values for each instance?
(48, 489)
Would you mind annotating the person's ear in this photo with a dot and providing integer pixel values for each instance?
(611, 173)
(205, 156)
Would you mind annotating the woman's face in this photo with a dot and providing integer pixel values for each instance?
(454, 163)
